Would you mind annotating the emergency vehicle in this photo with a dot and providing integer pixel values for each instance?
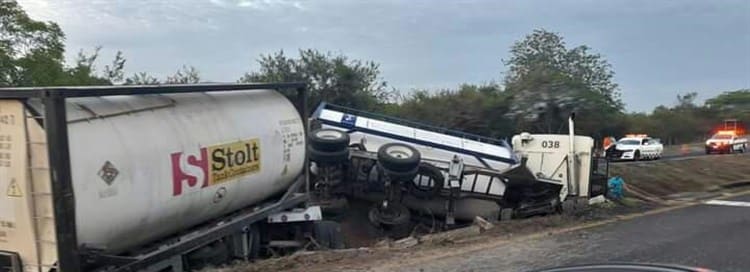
(729, 139)
(636, 147)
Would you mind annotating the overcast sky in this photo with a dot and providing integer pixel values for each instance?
(657, 48)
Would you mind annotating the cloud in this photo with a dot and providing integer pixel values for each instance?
(218, 3)
(657, 48)
(258, 4)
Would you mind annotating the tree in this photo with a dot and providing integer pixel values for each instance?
(84, 72)
(547, 81)
(734, 104)
(141, 78)
(31, 52)
(332, 78)
(472, 108)
(184, 75)
(115, 72)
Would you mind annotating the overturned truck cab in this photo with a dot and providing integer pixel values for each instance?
(407, 168)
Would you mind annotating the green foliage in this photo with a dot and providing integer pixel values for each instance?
(331, 78)
(31, 52)
(547, 81)
(732, 103)
(185, 75)
(84, 72)
(689, 122)
(141, 78)
(115, 71)
(472, 108)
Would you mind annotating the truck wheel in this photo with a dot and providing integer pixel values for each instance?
(328, 234)
(396, 214)
(637, 156)
(398, 157)
(329, 157)
(427, 191)
(329, 140)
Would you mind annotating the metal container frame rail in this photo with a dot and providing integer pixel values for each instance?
(416, 125)
(54, 122)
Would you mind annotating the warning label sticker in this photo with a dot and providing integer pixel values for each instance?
(7, 203)
(14, 189)
(12, 162)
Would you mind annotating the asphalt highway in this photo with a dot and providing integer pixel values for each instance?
(714, 234)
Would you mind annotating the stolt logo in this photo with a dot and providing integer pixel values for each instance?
(226, 162)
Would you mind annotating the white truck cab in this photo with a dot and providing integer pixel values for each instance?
(636, 147)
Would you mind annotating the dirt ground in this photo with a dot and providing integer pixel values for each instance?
(371, 258)
(657, 179)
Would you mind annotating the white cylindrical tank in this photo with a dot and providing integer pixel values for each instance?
(144, 167)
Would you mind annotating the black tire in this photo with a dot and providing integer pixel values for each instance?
(325, 157)
(637, 155)
(398, 157)
(426, 192)
(329, 140)
(328, 234)
(397, 215)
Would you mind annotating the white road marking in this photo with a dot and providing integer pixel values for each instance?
(728, 203)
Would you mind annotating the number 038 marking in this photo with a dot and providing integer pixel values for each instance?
(550, 144)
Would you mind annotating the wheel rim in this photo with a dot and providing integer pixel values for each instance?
(400, 152)
(329, 134)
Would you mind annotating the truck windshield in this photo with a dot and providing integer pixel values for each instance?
(629, 142)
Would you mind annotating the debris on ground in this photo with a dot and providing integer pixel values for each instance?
(451, 235)
(647, 186)
(405, 242)
(387, 250)
(483, 223)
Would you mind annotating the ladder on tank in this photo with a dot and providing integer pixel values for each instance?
(40, 192)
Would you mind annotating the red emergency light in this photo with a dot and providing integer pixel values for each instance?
(730, 127)
(727, 132)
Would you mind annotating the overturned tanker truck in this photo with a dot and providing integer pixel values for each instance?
(406, 168)
(153, 178)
